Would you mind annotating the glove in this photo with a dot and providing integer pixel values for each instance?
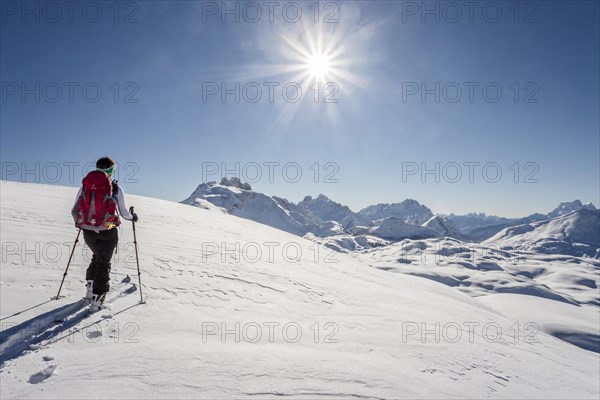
(135, 217)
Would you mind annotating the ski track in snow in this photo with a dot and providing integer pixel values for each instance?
(52, 326)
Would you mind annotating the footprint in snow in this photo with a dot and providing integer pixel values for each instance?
(94, 334)
(42, 375)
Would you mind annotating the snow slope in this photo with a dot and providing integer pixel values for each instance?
(347, 243)
(479, 226)
(576, 233)
(481, 270)
(578, 325)
(370, 342)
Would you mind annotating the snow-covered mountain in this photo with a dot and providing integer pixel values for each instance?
(443, 226)
(377, 225)
(226, 317)
(484, 232)
(328, 210)
(393, 228)
(479, 226)
(320, 217)
(238, 198)
(409, 211)
(567, 207)
(469, 222)
(575, 233)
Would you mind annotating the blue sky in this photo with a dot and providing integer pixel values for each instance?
(366, 146)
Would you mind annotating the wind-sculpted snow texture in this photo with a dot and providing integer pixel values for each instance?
(491, 270)
(229, 314)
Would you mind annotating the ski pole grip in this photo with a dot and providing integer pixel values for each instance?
(131, 210)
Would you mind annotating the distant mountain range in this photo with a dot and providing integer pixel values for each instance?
(479, 227)
(575, 232)
(337, 226)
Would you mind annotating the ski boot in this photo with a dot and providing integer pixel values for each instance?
(97, 302)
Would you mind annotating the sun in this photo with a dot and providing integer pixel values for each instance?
(318, 66)
(322, 63)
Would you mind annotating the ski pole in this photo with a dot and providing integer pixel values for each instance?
(137, 258)
(68, 263)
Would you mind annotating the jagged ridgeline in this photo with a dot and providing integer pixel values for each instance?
(381, 224)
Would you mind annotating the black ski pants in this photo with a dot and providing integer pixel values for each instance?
(103, 245)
